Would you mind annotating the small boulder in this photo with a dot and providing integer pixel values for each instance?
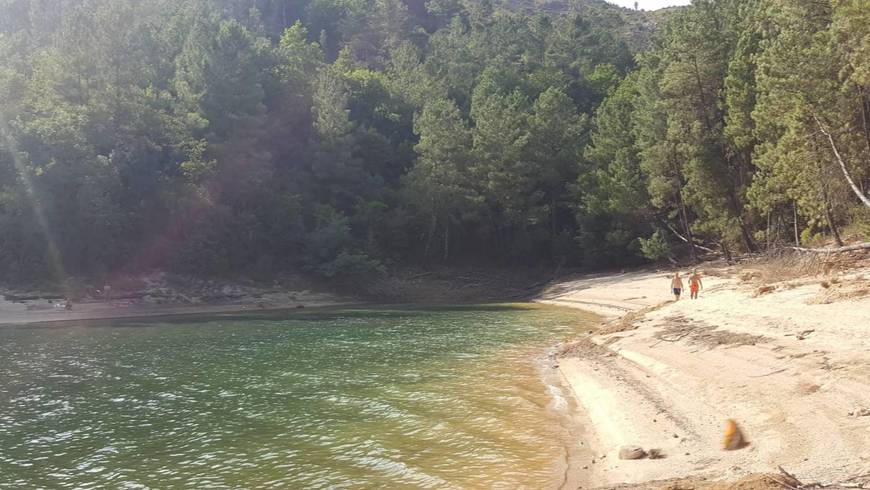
(631, 452)
(656, 453)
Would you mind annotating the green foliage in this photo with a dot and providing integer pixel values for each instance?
(655, 247)
(612, 192)
(350, 265)
(330, 237)
(329, 247)
(804, 86)
(250, 136)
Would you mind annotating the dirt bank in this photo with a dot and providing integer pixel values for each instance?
(160, 294)
(788, 359)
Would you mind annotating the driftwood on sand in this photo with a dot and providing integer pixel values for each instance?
(849, 248)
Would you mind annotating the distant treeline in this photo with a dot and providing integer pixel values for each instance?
(346, 136)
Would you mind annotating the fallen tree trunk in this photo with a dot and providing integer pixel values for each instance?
(686, 240)
(850, 248)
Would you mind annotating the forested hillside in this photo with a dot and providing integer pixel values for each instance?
(346, 136)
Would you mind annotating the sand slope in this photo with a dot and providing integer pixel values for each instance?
(789, 365)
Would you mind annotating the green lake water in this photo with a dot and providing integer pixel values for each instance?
(401, 398)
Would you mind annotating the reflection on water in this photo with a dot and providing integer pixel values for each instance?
(442, 398)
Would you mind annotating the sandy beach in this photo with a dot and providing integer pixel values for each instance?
(787, 360)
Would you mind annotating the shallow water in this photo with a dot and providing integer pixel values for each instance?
(411, 398)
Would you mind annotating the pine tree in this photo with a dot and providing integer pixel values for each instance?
(438, 185)
(613, 190)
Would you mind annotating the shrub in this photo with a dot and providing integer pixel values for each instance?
(655, 247)
(347, 264)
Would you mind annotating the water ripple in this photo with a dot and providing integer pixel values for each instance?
(447, 398)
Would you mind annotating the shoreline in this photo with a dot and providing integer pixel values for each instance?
(163, 294)
(104, 312)
(666, 375)
(573, 420)
(164, 312)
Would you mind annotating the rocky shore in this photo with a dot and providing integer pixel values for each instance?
(161, 294)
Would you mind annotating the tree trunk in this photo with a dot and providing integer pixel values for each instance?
(747, 237)
(552, 218)
(684, 239)
(865, 114)
(832, 226)
(446, 240)
(829, 217)
(797, 238)
(744, 232)
(684, 217)
(865, 119)
(767, 234)
(370, 239)
(725, 251)
(702, 96)
(553, 228)
(851, 182)
(433, 223)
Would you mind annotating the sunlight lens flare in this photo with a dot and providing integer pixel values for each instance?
(11, 147)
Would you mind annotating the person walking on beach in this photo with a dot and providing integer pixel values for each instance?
(677, 285)
(695, 284)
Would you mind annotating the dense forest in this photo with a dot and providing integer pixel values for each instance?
(344, 137)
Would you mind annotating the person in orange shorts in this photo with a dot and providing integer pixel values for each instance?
(695, 284)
